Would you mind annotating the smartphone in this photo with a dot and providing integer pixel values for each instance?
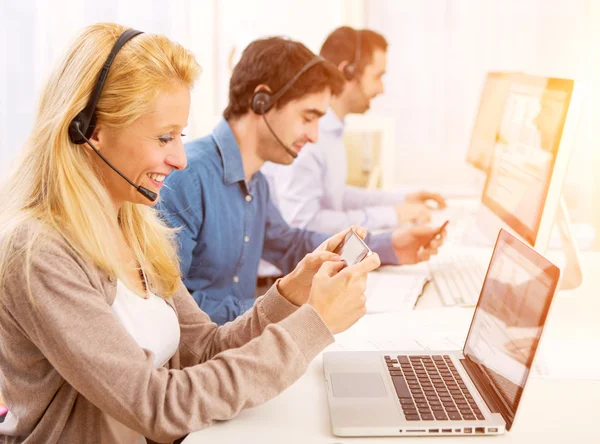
(444, 225)
(353, 249)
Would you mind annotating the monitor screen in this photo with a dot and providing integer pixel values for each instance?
(525, 151)
(487, 122)
(509, 318)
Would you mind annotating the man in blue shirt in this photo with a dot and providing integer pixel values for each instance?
(278, 91)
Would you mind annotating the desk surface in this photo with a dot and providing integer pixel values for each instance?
(552, 410)
(300, 415)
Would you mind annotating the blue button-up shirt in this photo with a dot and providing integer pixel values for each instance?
(228, 224)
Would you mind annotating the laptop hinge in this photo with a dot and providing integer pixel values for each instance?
(484, 388)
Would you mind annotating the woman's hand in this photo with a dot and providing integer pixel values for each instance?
(296, 286)
(339, 296)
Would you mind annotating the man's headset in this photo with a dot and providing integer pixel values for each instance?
(351, 68)
(263, 101)
(83, 125)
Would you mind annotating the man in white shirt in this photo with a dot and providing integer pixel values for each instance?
(312, 192)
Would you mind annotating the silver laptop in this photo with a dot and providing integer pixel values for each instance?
(475, 391)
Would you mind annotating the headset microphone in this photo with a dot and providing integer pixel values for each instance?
(82, 126)
(290, 151)
(150, 195)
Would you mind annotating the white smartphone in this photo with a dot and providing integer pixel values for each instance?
(353, 249)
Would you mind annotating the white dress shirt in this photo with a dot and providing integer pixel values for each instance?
(312, 192)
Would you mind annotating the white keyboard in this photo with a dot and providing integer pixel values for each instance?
(462, 221)
(458, 278)
(464, 228)
(454, 214)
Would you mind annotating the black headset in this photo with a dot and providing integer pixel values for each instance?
(82, 126)
(263, 101)
(351, 68)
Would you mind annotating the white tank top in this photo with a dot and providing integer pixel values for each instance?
(153, 324)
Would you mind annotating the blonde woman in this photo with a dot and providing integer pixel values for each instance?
(99, 339)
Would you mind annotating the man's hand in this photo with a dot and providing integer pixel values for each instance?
(416, 244)
(423, 197)
(412, 213)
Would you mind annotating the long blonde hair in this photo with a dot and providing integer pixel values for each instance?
(55, 182)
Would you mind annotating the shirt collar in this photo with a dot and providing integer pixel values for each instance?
(233, 169)
(331, 123)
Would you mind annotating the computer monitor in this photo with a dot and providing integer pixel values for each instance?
(523, 190)
(487, 122)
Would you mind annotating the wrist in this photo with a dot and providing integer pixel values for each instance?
(285, 289)
(316, 307)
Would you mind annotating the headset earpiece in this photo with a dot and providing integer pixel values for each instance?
(349, 71)
(77, 125)
(75, 131)
(262, 102)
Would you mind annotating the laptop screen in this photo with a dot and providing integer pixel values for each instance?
(509, 318)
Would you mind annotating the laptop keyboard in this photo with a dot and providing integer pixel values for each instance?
(430, 388)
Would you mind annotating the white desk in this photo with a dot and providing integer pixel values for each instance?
(552, 410)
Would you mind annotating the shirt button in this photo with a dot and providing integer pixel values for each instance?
(248, 198)
(246, 238)
(236, 279)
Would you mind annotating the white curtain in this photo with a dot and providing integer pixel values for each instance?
(34, 34)
(439, 53)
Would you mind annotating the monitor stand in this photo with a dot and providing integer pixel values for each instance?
(488, 225)
(571, 274)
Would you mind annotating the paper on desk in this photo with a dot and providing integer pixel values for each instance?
(568, 359)
(422, 343)
(390, 290)
(409, 324)
(435, 329)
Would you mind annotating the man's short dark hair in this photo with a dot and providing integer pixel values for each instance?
(340, 46)
(274, 61)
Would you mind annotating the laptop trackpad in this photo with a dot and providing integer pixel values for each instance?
(358, 385)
